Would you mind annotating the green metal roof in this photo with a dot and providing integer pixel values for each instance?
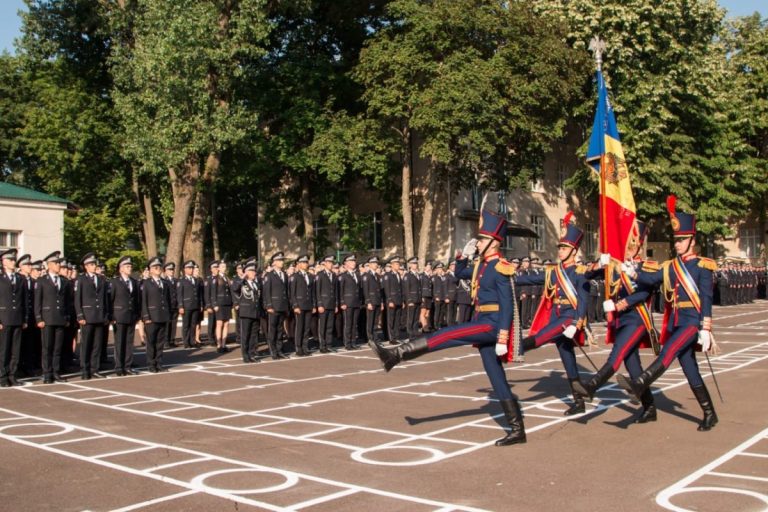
(10, 191)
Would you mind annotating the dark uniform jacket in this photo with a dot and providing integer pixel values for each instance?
(189, 293)
(275, 291)
(412, 288)
(349, 290)
(393, 288)
(248, 294)
(426, 286)
(371, 289)
(451, 284)
(172, 283)
(222, 294)
(126, 300)
(13, 299)
(155, 301)
(91, 301)
(325, 290)
(301, 290)
(52, 304)
(29, 309)
(439, 289)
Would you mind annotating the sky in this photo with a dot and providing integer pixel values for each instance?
(10, 23)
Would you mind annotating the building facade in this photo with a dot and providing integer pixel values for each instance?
(31, 221)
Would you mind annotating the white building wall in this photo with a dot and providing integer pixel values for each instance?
(40, 225)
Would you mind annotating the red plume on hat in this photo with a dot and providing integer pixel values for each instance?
(567, 218)
(671, 202)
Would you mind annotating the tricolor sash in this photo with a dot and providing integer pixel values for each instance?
(689, 285)
(566, 285)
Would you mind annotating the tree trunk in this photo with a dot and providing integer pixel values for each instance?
(405, 197)
(147, 214)
(194, 245)
(184, 185)
(307, 217)
(425, 230)
(212, 166)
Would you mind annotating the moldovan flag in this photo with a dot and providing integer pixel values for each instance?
(606, 157)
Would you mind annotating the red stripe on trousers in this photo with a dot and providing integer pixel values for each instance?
(676, 345)
(554, 329)
(458, 333)
(628, 346)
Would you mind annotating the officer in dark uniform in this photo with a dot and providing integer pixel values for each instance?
(92, 310)
(247, 291)
(209, 297)
(30, 337)
(155, 313)
(412, 298)
(52, 316)
(349, 301)
(490, 329)
(170, 279)
(276, 303)
(13, 303)
(239, 276)
(452, 283)
(426, 314)
(464, 301)
(125, 300)
(189, 298)
(301, 291)
(70, 331)
(439, 292)
(372, 297)
(222, 306)
(327, 302)
(393, 299)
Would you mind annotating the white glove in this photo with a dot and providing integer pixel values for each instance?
(705, 340)
(570, 331)
(469, 249)
(605, 260)
(609, 306)
(629, 268)
(501, 349)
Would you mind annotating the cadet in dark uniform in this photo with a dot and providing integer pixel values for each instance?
(393, 297)
(189, 297)
(222, 306)
(301, 291)
(30, 336)
(489, 331)
(276, 303)
(452, 284)
(349, 301)
(170, 279)
(155, 313)
(92, 310)
(464, 301)
(125, 299)
(209, 298)
(327, 302)
(248, 293)
(13, 303)
(372, 297)
(439, 292)
(52, 315)
(70, 332)
(426, 319)
(412, 297)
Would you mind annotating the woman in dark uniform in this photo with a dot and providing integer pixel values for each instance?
(222, 307)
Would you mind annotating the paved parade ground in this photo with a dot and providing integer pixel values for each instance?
(334, 433)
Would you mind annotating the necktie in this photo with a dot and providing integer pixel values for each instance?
(56, 282)
(306, 278)
(159, 283)
(128, 284)
(95, 282)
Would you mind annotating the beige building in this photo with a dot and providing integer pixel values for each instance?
(540, 208)
(31, 221)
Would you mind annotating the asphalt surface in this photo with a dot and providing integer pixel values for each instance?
(334, 432)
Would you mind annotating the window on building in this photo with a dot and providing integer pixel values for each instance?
(477, 197)
(9, 239)
(376, 232)
(750, 242)
(537, 184)
(537, 225)
(590, 241)
(562, 175)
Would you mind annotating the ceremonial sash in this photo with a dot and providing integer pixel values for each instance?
(642, 310)
(689, 285)
(566, 285)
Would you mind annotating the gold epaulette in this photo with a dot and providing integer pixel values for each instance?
(650, 266)
(505, 267)
(581, 269)
(708, 264)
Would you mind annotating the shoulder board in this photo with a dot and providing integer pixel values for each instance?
(581, 269)
(650, 266)
(505, 268)
(708, 264)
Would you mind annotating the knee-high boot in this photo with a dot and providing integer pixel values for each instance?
(705, 401)
(391, 356)
(644, 381)
(649, 408)
(514, 416)
(578, 406)
(589, 388)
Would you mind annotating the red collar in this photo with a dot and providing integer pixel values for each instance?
(689, 256)
(491, 257)
(568, 265)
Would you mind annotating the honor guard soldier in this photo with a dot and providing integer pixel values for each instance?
(170, 278)
(222, 306)
(490, 328)
(189, 297)
(349, 301)
(13, 303)
(631, 326)
(247, 290)
(209, 297)
(92, 311)
(52, 308)
(276, 303)
(125, 300)
(686, 283)
(412, 298)
(561, 315)
(327, 301)
(372, 297)
(155, 313)
(393, 299)
(301, 291)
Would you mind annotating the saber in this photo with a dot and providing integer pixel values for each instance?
(587, 356)
(714, 378)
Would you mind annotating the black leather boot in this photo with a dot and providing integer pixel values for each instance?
(710, 417)
(529, 343)
(578, 406)
(589, 389)
(644, 381)
(391, 356)
(649, 408)
(514, 416)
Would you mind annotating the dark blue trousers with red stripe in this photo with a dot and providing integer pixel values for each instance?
(481, 332)
(681, 344)
(553, 333)
(626, 348)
